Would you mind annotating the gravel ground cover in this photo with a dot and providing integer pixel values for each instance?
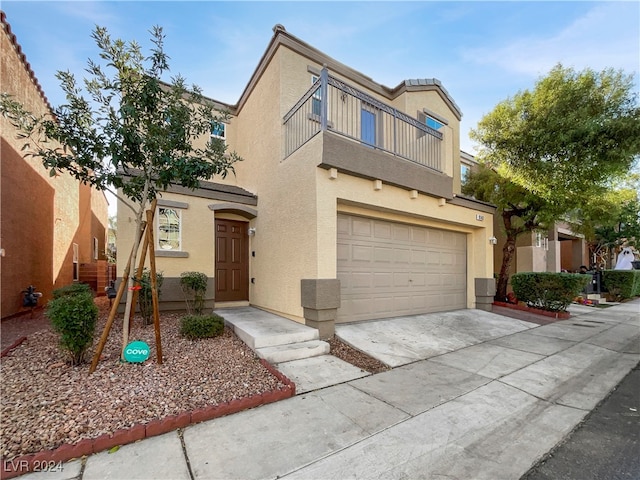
(46, 403)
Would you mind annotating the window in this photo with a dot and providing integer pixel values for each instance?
(218, 130)
(430, 121)
(95, 248)
(76, 265)
(542, 241)
(168, 232)
(316, 98)
(464, 172)
(368, 124)
(433, 123)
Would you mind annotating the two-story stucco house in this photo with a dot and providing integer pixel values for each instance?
(346, 206)
(52, 229)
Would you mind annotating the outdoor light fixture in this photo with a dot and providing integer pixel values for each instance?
(252, 231)
(493, 240)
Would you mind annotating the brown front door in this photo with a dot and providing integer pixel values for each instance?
(232, 261)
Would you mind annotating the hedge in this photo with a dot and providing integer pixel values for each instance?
(553, 292)
(622, 284)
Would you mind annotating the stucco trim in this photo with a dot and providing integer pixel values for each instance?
(171, 253)
(352, 158)
(172, 203)
(238, 209)
(472, 203)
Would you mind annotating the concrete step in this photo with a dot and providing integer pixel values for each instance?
(260, 329)
(293, 351)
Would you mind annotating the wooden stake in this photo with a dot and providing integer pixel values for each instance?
(112, 313)
(143, 257)
(154, 286)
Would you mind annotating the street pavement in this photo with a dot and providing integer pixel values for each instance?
(472, 395)
(605, 446)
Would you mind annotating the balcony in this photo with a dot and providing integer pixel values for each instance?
(332, 105)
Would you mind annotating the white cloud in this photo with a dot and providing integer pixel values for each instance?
(607, 36)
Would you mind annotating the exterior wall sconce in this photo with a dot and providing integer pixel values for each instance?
(493, 240)
(251, 232)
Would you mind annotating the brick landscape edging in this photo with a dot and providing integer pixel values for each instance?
(27, 463)
(537, 311)
(6, 351)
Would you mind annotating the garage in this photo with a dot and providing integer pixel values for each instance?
(388, 269)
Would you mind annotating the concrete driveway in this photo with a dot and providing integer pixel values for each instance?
(402, 340)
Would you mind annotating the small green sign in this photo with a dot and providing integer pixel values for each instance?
(136, 352)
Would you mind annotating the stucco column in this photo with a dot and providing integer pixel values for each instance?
(485, 291)
(320, 298)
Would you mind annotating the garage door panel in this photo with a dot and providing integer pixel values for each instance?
(388, 269)
(361, 253)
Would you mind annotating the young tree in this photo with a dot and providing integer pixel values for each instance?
(127, 131)
(552, 153)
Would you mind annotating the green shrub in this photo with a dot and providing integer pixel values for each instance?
(201, 326)
(194, 287)
(145, 297)
(549, 291)
(622, 284)
(73, 315)
(73, 289)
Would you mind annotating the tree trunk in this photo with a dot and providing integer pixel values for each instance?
(508, 252)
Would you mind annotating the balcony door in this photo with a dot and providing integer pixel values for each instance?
(369, 124)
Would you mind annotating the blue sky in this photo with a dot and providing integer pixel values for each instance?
(482, 52)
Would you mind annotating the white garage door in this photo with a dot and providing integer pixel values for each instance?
(389, 269)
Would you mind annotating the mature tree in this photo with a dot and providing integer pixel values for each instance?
(521, 212)
(568, 137)
(552, 153)
(127, 131)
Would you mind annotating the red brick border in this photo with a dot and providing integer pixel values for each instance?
(65, 452)
(537, 311)
(6, 351)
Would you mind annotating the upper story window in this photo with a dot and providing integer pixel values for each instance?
(368, 124)
(219, 130)
(464, 172)
(316, 99)
(433, 123)
(169, 229)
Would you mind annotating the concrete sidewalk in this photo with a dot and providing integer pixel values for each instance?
(475, 396)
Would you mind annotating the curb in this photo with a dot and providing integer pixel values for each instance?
(47, 459)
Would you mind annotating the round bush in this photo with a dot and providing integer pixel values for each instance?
(201, 326)
(73, 315)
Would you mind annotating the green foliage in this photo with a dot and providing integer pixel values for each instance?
(568, 137)
(73, 315)
(194, 287)
(145, 296)
(201, 326)
(549, 291)
(520, 210)
(72, 289)
(622, 284)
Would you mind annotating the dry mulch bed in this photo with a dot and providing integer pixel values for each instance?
(355, 357)
(46, 403)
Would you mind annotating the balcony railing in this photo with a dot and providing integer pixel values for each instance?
(331, 104)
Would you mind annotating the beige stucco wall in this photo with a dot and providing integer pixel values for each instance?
(298, 203)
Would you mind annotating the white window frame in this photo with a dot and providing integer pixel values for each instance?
(95, 248)
(222, 137)
(161, 244)
(76, 264)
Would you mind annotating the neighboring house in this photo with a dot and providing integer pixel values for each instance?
(52, 230)
(346, 205)
(555, 250)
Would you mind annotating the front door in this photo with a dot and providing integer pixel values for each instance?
(232, 261)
